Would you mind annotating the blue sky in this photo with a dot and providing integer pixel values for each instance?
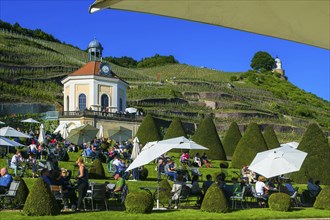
(140, 35)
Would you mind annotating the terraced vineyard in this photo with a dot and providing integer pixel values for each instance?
(31, 69)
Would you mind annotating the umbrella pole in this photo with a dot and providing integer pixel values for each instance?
(157, 201)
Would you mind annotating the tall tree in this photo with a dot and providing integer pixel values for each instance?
(231, 139)
(271, 138)
(317, 161)
(262, 60)
(207, 136)
(247, 148)
(148, 130)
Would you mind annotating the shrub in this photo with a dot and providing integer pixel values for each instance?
(148, 130)
(139, 202)
(207, 136)
(316, 145)
(41, 201)
(144, 174)
(22, 191)
(164, 195)
(214, 194)
(175, 130)
(250, 144)
(279, 202)
(271, 138)
(231, 139)
(323, 199)
(96, 171)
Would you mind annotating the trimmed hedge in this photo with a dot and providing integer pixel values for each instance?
(144, 174)
(148, 130)
(316, 145)
(175, 129)
(96, 171)
(40, 201)
(323, 199)
(271, 138)
(139, 202)
(231, 139)
(214, 200)
(279, 202)
(22, 191)
(247, 148)
(207, 136)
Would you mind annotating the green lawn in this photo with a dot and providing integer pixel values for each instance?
(185, 213)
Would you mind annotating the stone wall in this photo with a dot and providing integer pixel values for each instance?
(24, 108)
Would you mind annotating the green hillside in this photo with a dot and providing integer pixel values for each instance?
(31, 70)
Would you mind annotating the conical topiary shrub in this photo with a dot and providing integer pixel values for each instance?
(22, 191)
(231, 139)
(148, 130)
(139, 202)
(207, 136)
(247, 148)
(175, 130)
(279, 202)
(164, 195)
(323, 199)
(271, 138)
(96, 171)
(40, 200)
(214, 200)
(316, 145)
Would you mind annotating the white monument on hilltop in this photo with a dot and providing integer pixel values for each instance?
(279, 69)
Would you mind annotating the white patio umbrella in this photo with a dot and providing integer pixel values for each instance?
(42, 138)
(152, 150)
(131, 110)
(291, 144)
(64, 132)
(101, 133)
(9, 143)
(136, 148)
(278, 161)
(30, 120)
(11, 132)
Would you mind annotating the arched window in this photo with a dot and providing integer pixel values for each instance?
(67, 103)
(82, 102)
(120, 104)
(104, 101)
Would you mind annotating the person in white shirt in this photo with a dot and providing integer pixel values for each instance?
(15, 163)
(261, 187)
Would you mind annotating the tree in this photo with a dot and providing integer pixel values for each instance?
(148, 130)
(271, 138)
(316, 145)
(207, 136)
(231, 139)
(247, 148)
(262, 60)
(175, 130)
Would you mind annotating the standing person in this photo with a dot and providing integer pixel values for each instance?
(5, 180)
(82, 179)
(32, 163)
(15, 163)
(176, 191)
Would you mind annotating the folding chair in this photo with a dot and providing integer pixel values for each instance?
(97, 193)
(10, 195)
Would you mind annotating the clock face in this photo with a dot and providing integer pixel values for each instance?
(105, 68)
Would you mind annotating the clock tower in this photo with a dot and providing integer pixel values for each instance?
(94, 86)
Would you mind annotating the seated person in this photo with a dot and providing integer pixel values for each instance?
(313, 189)
(45, 175)
(196, 190)
(205, 161)
(207, 183)
(5, 180)
(115, 190)
(170, 169)
(261, 188)
(236, 187)
(197, 161)
(184, 158)
(68, 189)
(15, 163)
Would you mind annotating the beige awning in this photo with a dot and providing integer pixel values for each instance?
(303, 21)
